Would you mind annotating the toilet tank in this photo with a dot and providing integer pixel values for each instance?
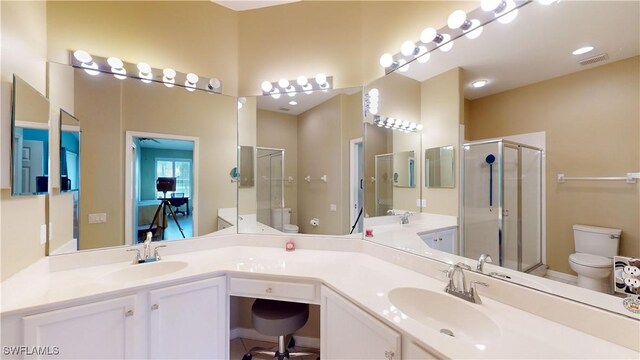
(596, 240)
(280, 216)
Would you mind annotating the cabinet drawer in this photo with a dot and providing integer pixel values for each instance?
(276, 290)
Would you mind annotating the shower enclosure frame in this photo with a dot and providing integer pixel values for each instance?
(502, 143)
(274, 152)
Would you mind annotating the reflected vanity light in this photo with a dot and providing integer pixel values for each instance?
(458, 20)
(479, 83)
(94, 65)
(293, 103)
(241, 101)
(508, 14)
(300, 84)
(396, 124)
(582, 50)
(448, 43)
(371, 101)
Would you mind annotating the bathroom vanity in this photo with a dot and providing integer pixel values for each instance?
(179, 306)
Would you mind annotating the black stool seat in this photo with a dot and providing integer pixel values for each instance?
(277, 318)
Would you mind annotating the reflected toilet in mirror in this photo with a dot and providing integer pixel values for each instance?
(307, 165)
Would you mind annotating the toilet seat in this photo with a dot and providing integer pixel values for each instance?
(290, 228)
(590, 260)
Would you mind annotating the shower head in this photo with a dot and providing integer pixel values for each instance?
(490, 159)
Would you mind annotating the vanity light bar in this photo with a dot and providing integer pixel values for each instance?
(94, 65)
(396, 124)
(320, 82)
(459, 24)
(371, 102)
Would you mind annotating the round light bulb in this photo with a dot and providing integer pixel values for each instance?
(239, 105)
(428, 35)
(321, 79)
(405, 124)
(479, 83)
(119, 73)
(275, 94)
(144, 68)
(242, 100)
(583, 50)
(283, 83)
(168, 82)
(302, 80)
(189, 86)
(114, 62)
(402, 65)
(192, 78)
(386, 60)
(91, 68)
(407, 48)
(490, 5)
(169, 73)
(374, 92)
(412, 125)
(447, 44)
(423, 55)
(390, 121)
(373, 110)
(82, 56)
(477, 29)
(291, 91)
(215, 83)
(266, 86)
(419, 127)
(308, 89)
(456, 19)
(507, 15)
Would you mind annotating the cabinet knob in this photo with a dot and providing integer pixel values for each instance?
(129, 313)
(440, 239)
(269, 290)
(155, 307)
(389, 355)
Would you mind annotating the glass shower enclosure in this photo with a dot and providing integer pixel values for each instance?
(502, 195)
(269, 184)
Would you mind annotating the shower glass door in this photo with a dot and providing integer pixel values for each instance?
(510, 200)
(531, 205)
(383, 183)
(269, 184)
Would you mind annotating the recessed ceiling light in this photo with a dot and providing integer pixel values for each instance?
(293, 102)
(479, 83)
(582, 50)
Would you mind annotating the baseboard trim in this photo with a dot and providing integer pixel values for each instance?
(302, 341)
(563, 276)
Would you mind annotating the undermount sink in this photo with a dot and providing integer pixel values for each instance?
(446, 314)
(145, 271)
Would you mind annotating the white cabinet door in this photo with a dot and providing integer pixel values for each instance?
(413, 351)
(347, 332)
(101, 330)
(430, 239)
(447, 241)
(189, 321)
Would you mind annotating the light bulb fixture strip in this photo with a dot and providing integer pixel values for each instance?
(143, 72)
(396, 124)
(371, 102)
(473, 23)
(301, 84)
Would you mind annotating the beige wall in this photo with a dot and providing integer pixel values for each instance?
(591, 120)
(189, 36)
(24, 49)
(319, 148)
(60, 214)
(442, 112)
(280, 131)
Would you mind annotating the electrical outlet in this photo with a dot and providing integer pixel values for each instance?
(418, 202)
(424, 203)
(43, 234)
(99, 218)
(333, 207)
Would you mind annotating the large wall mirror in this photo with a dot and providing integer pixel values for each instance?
(568, 114)
(29, 140)
(151, 158)
(307, 166)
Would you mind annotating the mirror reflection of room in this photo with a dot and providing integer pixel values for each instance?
(306, 180)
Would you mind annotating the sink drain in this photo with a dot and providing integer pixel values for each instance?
(447, 332)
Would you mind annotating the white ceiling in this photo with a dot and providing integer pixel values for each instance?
(305, 101)
(166, 144)
(240, 5)
(537, 45)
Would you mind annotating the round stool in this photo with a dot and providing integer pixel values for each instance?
(281, 319)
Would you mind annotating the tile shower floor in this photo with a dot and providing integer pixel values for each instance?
(239, 346)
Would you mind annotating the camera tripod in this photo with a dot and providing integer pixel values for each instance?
(162, 209)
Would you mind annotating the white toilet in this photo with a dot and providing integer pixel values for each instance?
(593, 259)
(281, 218)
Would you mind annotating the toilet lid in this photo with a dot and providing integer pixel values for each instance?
(290, 227)
(590, 260)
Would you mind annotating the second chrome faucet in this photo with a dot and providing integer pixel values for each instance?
(458, 287)
(146, 257)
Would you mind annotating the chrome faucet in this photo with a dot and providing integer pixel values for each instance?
(484, 258)
(404, 218)
(391, 212)
(454, 289)
(146, 248)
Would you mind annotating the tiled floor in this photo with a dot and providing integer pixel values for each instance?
(238, 347)
(560, 280)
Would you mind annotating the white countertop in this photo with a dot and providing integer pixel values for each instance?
(363, 279)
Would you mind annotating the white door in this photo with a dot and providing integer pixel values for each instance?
(430, 239)
(189, 321)
(32, 166)
(101, 330)
(347, 332)
(447, 241)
